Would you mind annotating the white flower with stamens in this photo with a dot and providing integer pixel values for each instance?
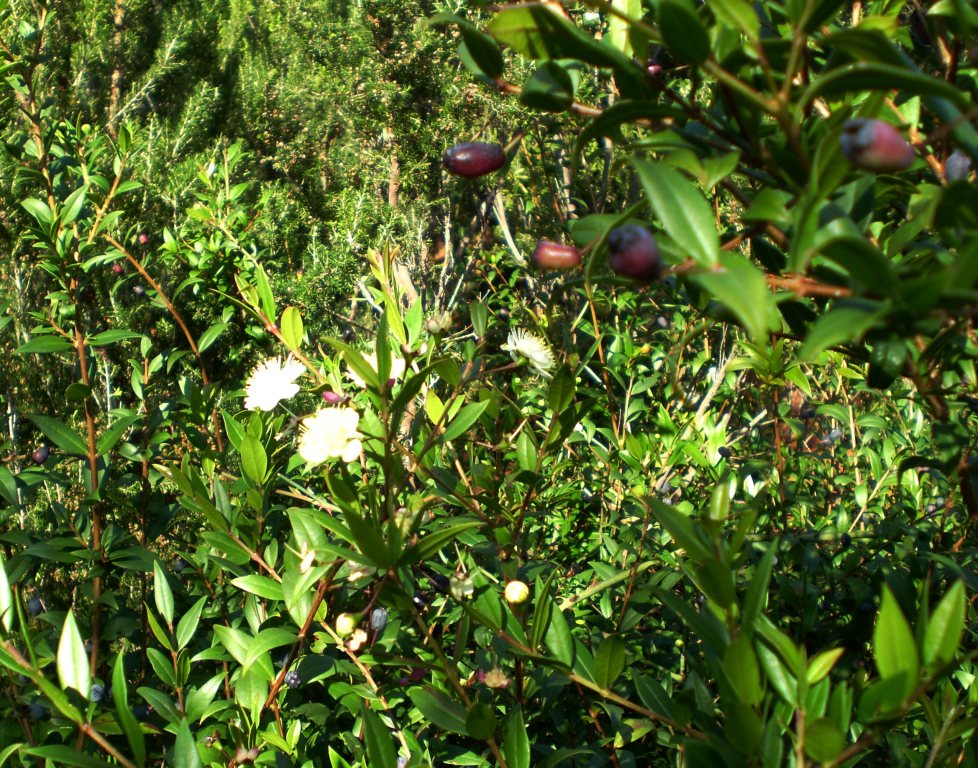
(397, 369)
(524, 346)
(330, 433)
(271, 382)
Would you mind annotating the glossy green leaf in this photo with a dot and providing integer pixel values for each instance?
(548, 89)
(869, 76)
(162, 594)
(185, 754)
(43, 345)
(945, 627)
(822, 664)
(741, 667)
(439, 710)
(894, 647)
(685, 215)
(254, 461)
(742, 288)
(480, 722)
(844, 323)
(823, 740)
(187, 626)
(291, 328)
(609, 660)
(73, 669)
(682, 30)
(62, 436)
(377, 739)
(516, 742)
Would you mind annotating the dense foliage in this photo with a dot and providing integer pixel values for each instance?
(308, 462)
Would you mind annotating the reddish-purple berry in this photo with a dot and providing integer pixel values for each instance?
(333, 398)
(118, 269)
(40, 454)
(550, 255)
(632, 252)
(472, 159)
(875, 145)
(143, 238)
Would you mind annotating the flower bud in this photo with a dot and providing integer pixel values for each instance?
(516, 592)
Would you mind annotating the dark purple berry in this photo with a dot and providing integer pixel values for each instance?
(179, 565)
(138, 290)
(97, 693)
(37, 712)
(845, 540)
(34, 606)
(724, 452)
(293, 679)
(472, 159)
(808, 412)
(40, 454)
(957, 166)
(632, 252)
(141, 711)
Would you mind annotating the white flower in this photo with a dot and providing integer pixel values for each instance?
(330, 433)
(271, 382)
(397, 369)
(523, 345)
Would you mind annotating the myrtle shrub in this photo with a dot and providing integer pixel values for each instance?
(692, 484)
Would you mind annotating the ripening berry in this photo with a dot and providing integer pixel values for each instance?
(472, 159)
(550, 255)
(332, 398)
(345, 624)
(40, 454)
(516, 592)
(957, 166)
(875, 145)
(378, 619)
(632, 252)
(118, 269)
(143, 238)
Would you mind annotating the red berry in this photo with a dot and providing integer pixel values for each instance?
(549, 255)
(632, 252)
(143, 238)
(473, 159)
(875, 145)
(118, 269)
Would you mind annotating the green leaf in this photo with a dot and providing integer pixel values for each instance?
(866, 76)
(6, 598)
(516, 742)
(187, 626)
(742, 288)
(618, 28)
(682, 209)
(737, 14)
(481, 721)
(208, 337)
(377, 739)
(439, 710)
(823, 740)
(653, 695)
(185, 754)
(73, 669)
(43, 345)
(548, 89)
(465, 419)
(434, 542)
(130, 726)
(38, 210)
(482, 51)
(609, 123)
(681, 530)
(254, 462)
(894, 648)
(741, 667)
(822, 664)
(291, 327)
(683, 32)
(841, 324)
(945, 627)
(162, 594)
(559, 640)
(62, 754)
(108, 439)
(264, 587)
(59, 434)
(609, 661)
(111, 337)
